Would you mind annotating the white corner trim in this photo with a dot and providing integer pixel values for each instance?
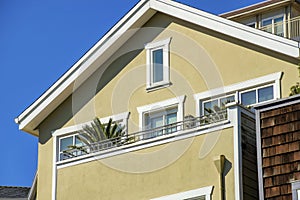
(67, 130)
(205, 191)
(271, 78)
(54, 168)
(162, 105)
(259, 157)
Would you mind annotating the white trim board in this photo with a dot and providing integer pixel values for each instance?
(248, 84)
(200, 192)
(29, 119)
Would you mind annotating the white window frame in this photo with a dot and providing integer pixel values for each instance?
(216, 98)
(160, 106)
(296, 190)
(158, 113)
(263, 81)
(200, 192)
(59, 134)
(153, 46)
(256, 93)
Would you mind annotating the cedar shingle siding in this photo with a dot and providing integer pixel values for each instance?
(280, 139)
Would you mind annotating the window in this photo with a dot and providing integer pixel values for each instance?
(67, 137)
(154, 120)
(257, 95)
(157, 116)
(274, 25)
(216, 104)
(158, 69)
(248, 93)
(65, 144)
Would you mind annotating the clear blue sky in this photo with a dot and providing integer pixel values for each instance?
(39, 41)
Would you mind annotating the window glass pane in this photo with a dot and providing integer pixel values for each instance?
(278, 26)
(65, 142)
(265, 94)
(226, 100)
(251, 25)
(170, 119)
(248, 98)
(78, 142)
(209, 106)
(157, 59)
(156, 122)
(298, 194)
(267, 24)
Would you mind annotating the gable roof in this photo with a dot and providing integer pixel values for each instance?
(30, 119)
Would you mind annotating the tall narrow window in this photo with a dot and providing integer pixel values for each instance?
(158, 69)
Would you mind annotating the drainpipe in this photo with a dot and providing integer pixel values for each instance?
(219, 163)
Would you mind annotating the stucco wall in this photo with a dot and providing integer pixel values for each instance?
(99, 180)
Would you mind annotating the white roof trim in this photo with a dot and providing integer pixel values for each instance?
(253, 10)
(58, 92)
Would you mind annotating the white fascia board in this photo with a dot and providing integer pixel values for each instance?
(227, 27)
(80, 67)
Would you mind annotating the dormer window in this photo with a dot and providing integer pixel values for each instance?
(158, 69)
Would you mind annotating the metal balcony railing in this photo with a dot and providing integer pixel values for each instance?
(289, 29)
(169, 129)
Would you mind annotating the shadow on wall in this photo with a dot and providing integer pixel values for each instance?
(227, 168)
(101, 77)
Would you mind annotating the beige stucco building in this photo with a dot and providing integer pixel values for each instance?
(181, 81)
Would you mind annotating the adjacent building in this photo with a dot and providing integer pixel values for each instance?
(181, 81)
(278, 136)
(279, 17)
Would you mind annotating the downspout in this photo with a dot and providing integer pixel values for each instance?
(222, 186)
(219, 163)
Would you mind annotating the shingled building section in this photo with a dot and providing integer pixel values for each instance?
(16, 193)
(279, 146)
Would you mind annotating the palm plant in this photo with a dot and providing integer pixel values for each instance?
(97, 132)
(97, 136)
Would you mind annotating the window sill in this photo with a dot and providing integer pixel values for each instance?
(158, 86)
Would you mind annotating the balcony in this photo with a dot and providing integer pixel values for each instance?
(188, 123)
(289, 29)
